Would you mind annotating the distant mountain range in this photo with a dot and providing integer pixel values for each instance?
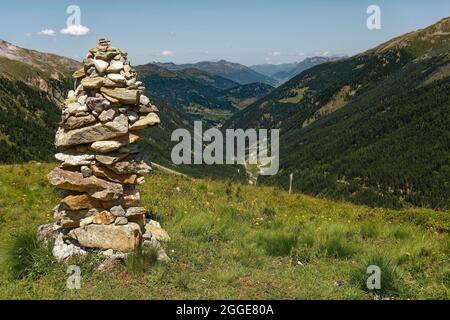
(229, 70)
(273, 75)
(282, 73)
(271, 69)
(372, 129)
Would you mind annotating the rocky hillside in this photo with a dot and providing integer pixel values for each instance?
(372, 129)
(46, 63)
(40, 70)
(32, 86)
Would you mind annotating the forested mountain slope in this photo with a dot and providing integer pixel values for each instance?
(32, 89)
(198, 94)
(372, 129)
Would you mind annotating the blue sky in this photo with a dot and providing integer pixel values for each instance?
(245, 31)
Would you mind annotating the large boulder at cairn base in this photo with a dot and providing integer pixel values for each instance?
(97, 132)
(95, 187)
(124, 238)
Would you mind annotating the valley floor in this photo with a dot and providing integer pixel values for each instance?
(233, 241)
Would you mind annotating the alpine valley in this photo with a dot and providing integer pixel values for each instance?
(371, 129)
(201, 95)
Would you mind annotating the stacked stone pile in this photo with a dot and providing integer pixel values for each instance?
(100, 162)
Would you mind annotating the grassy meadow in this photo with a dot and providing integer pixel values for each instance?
(231, 241)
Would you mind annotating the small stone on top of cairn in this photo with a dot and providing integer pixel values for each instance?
(101, 165)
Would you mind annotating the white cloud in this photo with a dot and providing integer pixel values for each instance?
(276, 53)
(326, 53)
(47, 33)
(167, 53)
(75, 30)
(28, 34)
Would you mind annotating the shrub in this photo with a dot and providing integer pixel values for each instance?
(370, 229)
(141, 260)
(25, 257)
(391, 280)
(203, 227)
(307, 239)
(225, 226)
(400, 233)
(268, 212)
(336, 246)
(277, 244)
(302, 254)
(229, 189)
(182, 282)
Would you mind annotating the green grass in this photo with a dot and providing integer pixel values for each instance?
(210, 116)
(231, 241)
(276, 244)
(25, 258)
(295, 96)
(391, 280)
(141, 261)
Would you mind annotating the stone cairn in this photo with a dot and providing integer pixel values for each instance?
(101, 164)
